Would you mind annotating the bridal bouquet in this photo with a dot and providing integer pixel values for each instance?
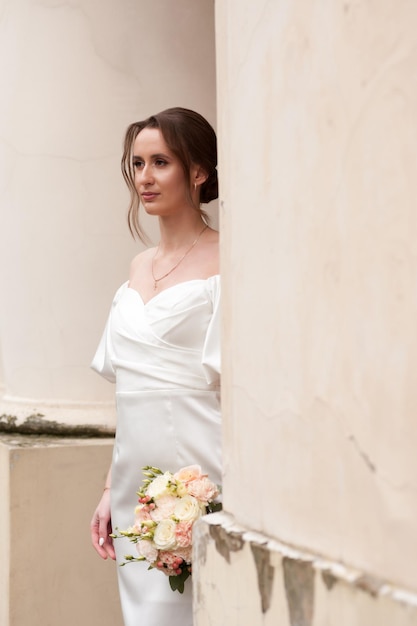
(169, 504)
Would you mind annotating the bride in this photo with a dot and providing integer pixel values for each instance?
(161, 345)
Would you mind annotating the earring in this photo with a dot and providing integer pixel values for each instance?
(195, 186)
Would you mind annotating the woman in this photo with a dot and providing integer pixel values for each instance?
(161, 345)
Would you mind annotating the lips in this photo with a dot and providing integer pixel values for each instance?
(148, 196)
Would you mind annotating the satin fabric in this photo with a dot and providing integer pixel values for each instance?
(164, 357)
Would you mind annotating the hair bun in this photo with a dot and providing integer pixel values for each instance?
(210, 189)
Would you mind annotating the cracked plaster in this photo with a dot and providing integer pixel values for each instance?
(299, 587)
(265, 573)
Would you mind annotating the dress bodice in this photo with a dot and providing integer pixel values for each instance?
(173, 340)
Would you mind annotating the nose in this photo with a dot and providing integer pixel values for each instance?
(146, 174)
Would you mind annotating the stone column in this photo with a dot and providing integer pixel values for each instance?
(73, 75)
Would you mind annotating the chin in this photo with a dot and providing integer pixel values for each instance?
(152, 209)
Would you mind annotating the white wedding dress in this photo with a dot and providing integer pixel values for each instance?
(164, 357)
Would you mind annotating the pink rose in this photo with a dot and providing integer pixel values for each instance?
(141, 514)
(191, 472)
(165, 506)
(148, 550)
(183, 534)
(184, 553)
(203, 489)
(171, 560)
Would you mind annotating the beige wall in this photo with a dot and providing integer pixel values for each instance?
(318, 135)
(49, 573)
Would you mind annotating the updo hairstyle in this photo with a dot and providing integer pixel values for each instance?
(193, 141)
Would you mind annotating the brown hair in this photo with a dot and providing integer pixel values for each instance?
(193, 141)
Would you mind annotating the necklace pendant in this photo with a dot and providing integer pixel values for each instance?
(156, 280)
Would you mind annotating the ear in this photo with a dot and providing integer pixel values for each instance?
(198, 175)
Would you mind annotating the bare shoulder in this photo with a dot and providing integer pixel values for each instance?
(212, 239)
(212, 235)
(210, 252)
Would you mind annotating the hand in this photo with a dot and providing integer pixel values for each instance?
(100, 528)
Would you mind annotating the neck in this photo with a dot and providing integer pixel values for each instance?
(177, 233)
(181, 258)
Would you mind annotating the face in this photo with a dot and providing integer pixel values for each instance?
(159, 177)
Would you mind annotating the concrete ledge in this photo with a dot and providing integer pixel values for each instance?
(242, 577)
(49, 572)
(33, 416)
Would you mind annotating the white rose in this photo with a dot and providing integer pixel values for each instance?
(148, 550)
(160, 486)
(188, 509)
(164, 537)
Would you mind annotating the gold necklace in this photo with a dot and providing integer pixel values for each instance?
(156, 280)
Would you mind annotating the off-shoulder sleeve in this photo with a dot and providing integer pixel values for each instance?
(211, 358)
(102, 362)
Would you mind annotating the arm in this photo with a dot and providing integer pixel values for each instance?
(100, 526)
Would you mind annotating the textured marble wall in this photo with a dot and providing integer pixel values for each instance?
(318, 134)
(73, 75)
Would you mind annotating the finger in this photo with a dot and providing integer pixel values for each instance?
(110, 548)
(95, 537)
(108, 542)
(105, 542)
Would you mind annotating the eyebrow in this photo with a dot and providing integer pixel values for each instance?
(159, 155)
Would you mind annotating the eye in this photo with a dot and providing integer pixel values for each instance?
(160, 162)
(137, 163)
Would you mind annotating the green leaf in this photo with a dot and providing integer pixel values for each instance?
(214, 507)
(177, 582)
